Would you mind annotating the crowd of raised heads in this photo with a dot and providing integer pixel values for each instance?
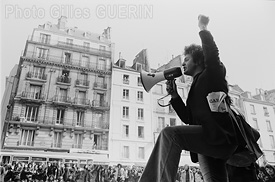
(56, 172)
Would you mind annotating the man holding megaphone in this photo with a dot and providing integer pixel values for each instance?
(209, 132)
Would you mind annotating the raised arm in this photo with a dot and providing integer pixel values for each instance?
(210, 49)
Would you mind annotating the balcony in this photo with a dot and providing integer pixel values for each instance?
(36, 76)
(81, 102)
(77, 146)
(100, 125)
(65, 61)
(25, 143)
(82, 83)
(100, 104)
(62, 100)
(33, 96)
(100, 86)
(63, 80)
(78, 123)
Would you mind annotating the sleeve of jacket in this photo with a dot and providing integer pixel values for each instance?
(180, 109)
(210, 50)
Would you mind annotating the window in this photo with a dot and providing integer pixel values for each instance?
(125, 112)
(67, 58)
(45, 38)
(101, 64)
(268, 124)
(97, 141)
(272, 142)
(27, 137)
(139, 81)
(60, 116)
(122, 64)
(35, 91)
(126, 131)
(140, 132)
(161, 124)
(79, 118)
(266, 113)
(252, 109)
(255, 124)
(57, 139)
(41, 53)
(140, 96)
(85, 61)
(62, 95)
(140, 113)
(172, 122)
(78, 138)
(38, 72)
(126, 94)
(31, 113)
(126, 79)
(125, 152)
(158, 89)
(81, 97)
(69, 41)
(141, 153)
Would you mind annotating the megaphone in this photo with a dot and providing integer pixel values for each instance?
(148, 80)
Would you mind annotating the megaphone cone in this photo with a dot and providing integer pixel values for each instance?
(148, 80)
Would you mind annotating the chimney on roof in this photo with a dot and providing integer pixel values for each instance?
(62, 22)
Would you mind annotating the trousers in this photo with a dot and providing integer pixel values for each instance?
(163, 162)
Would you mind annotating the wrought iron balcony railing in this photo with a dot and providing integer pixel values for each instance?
(79, 82)
(63, 79)
(78, 101)
(34, 75)
(32, 95)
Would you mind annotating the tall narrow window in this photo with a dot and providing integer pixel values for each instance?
(101, 64)
(35, 91)
(125, 112)
(45, 38)
(140, 96)
(79, 118)
(126, 94)
(38, 72)
(126, 152)
(31, 113)
(57, 139)
(27, 137)
(140, 113)
(62, 97)
(97, 142)
(161, 123)
(266, 113)
(269, 127)
(78, 138)
(42, 53)
(81, 97)
(255, 124)
(252, 109)
(141, 152)
(85, 61)
(126, 79)
(60, 116)
(139, 81)
(272, 141)
(67, 58)
(140, 132)
(126, 131)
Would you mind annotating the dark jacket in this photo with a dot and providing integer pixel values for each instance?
(218, 128)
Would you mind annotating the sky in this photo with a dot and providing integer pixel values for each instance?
(244, 31)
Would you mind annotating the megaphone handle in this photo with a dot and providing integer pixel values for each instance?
(161, 105)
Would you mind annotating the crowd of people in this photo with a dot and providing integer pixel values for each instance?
(54, 172)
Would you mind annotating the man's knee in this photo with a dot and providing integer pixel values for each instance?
(167, 131)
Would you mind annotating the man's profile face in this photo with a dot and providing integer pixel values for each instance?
(188, 65)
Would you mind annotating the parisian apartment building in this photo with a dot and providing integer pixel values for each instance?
(60, 101)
